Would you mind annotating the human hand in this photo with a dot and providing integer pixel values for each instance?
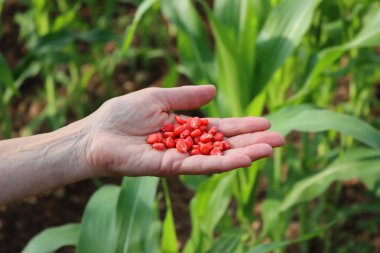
(116, 140)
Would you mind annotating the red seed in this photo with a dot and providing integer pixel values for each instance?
(184, 134)
(218, 144)
(226, 145)
(218, 136)
(179, 120)
(170, 143)
(168, 134)
(213, 130)
(206, 137)
(181, 146)
(178, 130)
(167, 127)
(189, 141)
(195, 122)
(204, 122)
(158, 146)
(188, 127)
(216, 151)
(196, 133)
(195, 152)
(191, 136)
(205, 148)
(154, 138)
(160, 137)
(203, 128)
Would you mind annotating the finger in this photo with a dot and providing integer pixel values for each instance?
(236, 126)
(232, 159)
(272, 138)
(186, 97)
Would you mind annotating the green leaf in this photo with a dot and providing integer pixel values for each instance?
(135, 213)
(6, 77)
(194, 48)
(51, 239)
(281, 34)
(193, 181)
(369, 36)
(98, 231)
(228, 242)
(358, 164)
(120, 219)
(206, 210)
(308, 119)
(228, 14)
(270, 247)
(169, 236)
(271, 215)
(130, 31)
(230, 92)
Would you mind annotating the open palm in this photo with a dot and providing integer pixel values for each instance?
(117, 143)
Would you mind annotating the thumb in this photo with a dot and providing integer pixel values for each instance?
(186, 97)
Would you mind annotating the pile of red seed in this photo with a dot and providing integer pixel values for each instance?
(191, 135)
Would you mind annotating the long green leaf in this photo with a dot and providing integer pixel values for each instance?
(228, 242)
(51, 239)
(135, 213)
(98, 230)
(6, 77)
(193, 46)
(270, 247)
(130, 31)
(281, 34)
(369, 36)
(365, 164)
(169, 237)
(308, 119)
(230, 93)
(206, 210)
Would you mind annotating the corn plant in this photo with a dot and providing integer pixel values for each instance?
(263, 51)
(251, 65)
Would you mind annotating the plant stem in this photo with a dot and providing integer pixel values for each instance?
(277, 168)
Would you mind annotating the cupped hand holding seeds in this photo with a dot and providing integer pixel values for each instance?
(119, 146)
(113, 141)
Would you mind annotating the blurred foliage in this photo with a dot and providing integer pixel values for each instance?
(311, 67)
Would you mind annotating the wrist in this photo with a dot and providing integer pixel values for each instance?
(74, 140)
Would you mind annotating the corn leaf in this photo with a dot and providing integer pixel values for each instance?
(364, 165)
(135, 213)
(270, 247)
(98, 230)
(308, 119)
(230, 94)
(228, 242)
(130, 31)
(280, 35)
(51, 239)
(6, 76)
(369, 36)
(193, 45)
(206, 210)
(169, 237)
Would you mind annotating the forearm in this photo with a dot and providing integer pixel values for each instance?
(34, 164)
